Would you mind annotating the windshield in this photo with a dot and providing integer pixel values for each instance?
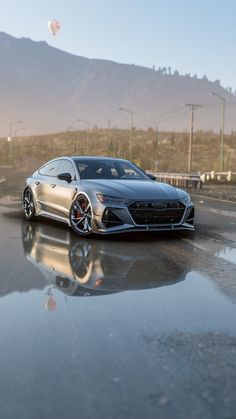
(109, 169)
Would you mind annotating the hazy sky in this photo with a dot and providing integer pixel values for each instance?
(191, 36)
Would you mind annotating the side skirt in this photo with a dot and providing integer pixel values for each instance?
(53, 217)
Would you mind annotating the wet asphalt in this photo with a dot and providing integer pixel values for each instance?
(134, 326)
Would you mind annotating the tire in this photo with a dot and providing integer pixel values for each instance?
(81, 215)
(28, 204)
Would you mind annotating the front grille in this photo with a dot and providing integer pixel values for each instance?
(157, 212)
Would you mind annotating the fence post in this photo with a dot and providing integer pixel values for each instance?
(229, 176)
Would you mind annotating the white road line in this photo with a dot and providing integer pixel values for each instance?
(214, 199)
(231, 214)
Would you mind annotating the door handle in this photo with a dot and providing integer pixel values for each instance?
(53, 185)
(37, 183)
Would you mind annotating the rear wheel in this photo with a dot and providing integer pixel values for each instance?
(28, 204)
(81, 215)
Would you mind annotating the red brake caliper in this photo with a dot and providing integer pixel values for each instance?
(79, 214)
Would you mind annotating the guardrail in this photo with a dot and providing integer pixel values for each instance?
(186, 180)
(193, 180)
(228, 176)
(2, 179)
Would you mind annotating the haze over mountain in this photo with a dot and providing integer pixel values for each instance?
(49, 89)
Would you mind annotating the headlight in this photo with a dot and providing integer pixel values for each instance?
(109, 198)
(186, 199)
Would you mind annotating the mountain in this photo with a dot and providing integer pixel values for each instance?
(49, 89)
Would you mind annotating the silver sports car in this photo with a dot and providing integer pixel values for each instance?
(106, 196)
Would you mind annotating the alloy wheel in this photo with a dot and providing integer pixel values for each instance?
(28, 204)
(81, 216)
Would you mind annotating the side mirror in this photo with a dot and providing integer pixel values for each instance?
(152, 177)
(65, 176)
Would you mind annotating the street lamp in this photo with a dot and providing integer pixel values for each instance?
(222, 130)
(11, 125)
(18, 129)
(131, 130)
(87, 138)
(13, 146)
(86, 122)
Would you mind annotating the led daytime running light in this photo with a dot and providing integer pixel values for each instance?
(108, 198)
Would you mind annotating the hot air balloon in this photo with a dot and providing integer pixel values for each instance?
(54, 26)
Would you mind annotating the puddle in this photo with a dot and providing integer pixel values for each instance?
(9, 200)
(229, 254)
(229, 235)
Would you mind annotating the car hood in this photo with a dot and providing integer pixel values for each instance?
(133, 189)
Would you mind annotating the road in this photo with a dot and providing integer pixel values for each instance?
(131, 327)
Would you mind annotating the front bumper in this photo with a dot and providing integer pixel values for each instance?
(118, 219)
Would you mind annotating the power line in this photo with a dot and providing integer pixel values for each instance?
(172, 116)
(214, 105)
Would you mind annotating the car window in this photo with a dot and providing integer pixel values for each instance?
(50, 169)
(67, 167)
(129, 172)
(97, 170)
(81, 167)
(86, 170)
(108, 169)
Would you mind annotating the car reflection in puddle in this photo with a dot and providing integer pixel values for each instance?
(90, 267)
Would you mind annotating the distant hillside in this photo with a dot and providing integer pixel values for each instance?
(49, 89)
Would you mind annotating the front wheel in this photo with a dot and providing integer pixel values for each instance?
(28, 204)
(81, 215)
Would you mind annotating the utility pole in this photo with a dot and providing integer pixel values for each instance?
(192, 107)
(222, 130)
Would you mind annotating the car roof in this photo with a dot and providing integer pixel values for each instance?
(96, 158)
